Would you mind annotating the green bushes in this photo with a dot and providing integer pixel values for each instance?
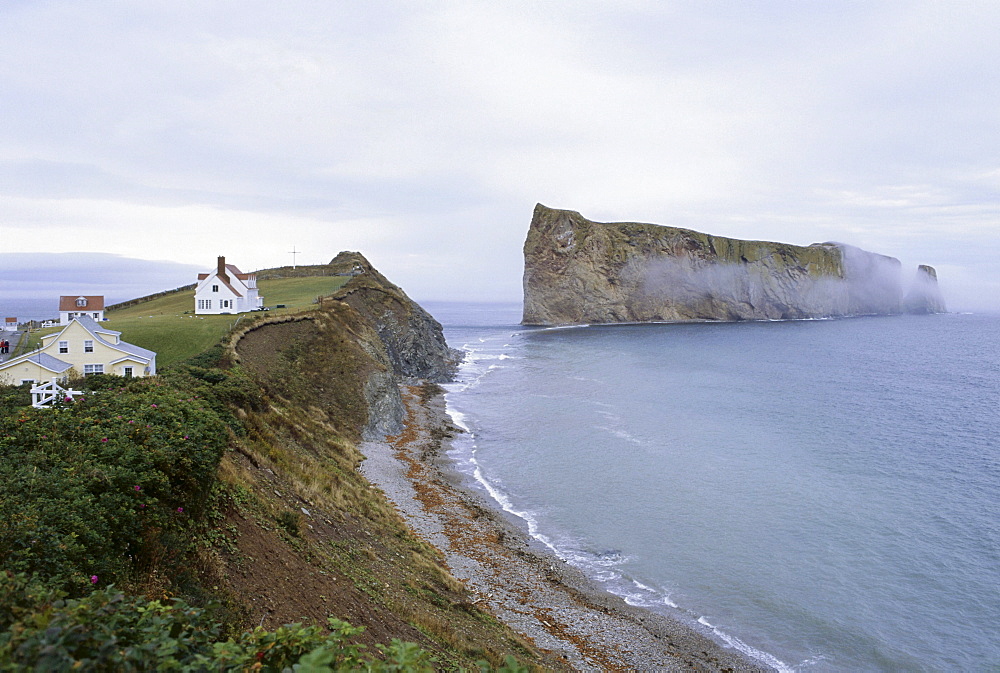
(113, 488)
(105, 486)
(108, 631)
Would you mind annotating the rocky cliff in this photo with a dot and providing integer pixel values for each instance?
(577, 271)
(413, 339)
(345, 357)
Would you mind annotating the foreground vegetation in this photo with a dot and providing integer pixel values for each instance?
(107, 630)
(114, 497)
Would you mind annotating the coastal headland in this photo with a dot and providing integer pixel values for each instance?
(557, 618)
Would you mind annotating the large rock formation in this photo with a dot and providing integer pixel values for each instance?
(577, 272)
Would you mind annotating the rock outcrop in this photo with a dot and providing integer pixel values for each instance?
(344, 358)
(924, 295)
(577, 271)
(413, 339)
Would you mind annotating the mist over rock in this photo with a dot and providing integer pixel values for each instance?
(924, 295)
(577, 271)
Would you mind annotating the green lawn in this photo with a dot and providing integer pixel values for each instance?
(168, 325)
(297, 292)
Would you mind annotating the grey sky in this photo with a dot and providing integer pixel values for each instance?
(423, 134)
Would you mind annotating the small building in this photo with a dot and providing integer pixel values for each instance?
(76, 307)
(226, 290)
(81, 348)
(9, 325)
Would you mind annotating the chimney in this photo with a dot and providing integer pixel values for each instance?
(222, 269)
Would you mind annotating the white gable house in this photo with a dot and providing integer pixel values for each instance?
(226, 290)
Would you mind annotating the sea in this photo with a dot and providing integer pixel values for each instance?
(822, 495)
(25, 309)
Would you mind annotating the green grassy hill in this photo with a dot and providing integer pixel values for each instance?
(167, 324)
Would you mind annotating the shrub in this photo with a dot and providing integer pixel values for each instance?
(107, 630)
(107, 484)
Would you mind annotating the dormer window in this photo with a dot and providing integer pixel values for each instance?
(81, 301)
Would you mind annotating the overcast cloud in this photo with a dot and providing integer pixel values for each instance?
(423, 134)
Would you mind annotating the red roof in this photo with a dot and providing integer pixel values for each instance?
(92, 303)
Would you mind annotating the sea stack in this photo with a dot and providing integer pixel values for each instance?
(924, 295)
(577, 272)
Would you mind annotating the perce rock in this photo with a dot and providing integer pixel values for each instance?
(579, 272)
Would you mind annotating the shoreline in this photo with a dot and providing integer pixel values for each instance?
(581, 625)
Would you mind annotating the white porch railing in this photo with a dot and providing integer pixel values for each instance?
(44, 394)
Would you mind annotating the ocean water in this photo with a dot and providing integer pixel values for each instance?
(25, 309)
(822, 495)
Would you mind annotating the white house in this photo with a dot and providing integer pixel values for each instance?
(82, 347)
(226, 290)
(76, 307)
(9, 325)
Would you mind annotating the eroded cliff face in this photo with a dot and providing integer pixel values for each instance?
(413, 339)
(577, 271)
(344, 358)
(330, 363)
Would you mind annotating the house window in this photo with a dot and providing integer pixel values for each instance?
(97, 316)
(215, 288)
(93, 369)
(204, 304)
(88, 346)
(127, 372)
(64, 347)
(81, 301)
(24, 381)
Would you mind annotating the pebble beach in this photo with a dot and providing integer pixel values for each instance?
(546, 600)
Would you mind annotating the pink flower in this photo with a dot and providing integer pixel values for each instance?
(131, 421)
(93, 579)
(142, 506)
(138, 488)
(104, 439)
(153, 405)
(180, 510)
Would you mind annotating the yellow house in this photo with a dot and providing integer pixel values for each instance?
(82, 347)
